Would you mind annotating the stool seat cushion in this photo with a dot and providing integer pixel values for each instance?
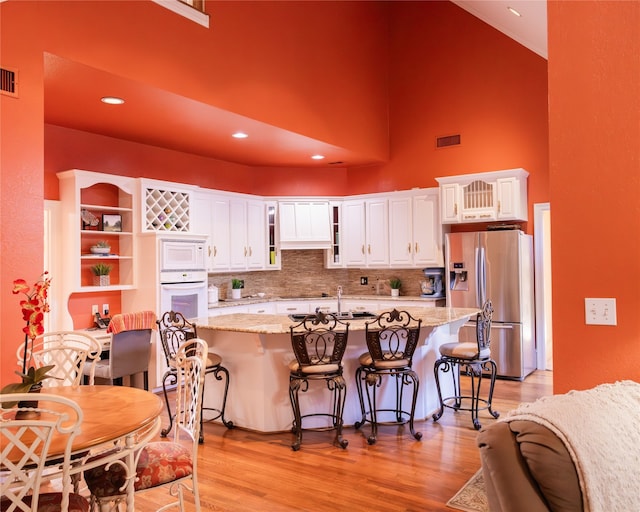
(464, 350)
(159, 463)
(397, 361)
(316, 367)
(213, 360)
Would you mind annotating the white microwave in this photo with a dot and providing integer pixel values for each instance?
(182, 255)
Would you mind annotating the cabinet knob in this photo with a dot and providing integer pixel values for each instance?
(215, 250)
(362, 249)
(455, 209)
(409, 247)
(245, 252)
(369, 248)
(417, 249)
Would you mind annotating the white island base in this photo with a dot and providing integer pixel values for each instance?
(256, 349)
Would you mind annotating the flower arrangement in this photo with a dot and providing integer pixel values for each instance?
(34, 306)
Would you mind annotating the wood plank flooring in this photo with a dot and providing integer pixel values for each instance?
(245, 471)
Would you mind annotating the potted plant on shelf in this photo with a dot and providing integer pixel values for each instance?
(101, 273)
(395, 285)
(236, 288)
(101, 247)
(34, 306)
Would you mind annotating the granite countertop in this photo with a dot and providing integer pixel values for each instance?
(279, 324)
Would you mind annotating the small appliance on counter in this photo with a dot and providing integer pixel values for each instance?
(432, 286)
(212, 294)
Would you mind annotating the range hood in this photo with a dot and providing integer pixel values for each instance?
(304, 225)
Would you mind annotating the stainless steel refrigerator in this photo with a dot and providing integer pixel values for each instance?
(496, 265)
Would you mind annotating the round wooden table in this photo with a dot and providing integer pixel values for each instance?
(110, 414)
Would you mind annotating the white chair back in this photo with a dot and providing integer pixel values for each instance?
(73, 354)
(47, 429)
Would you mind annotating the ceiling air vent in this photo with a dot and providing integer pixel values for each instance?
(448, 140)
(8, 82)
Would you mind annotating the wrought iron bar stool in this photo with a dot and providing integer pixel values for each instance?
(391, 341)
(475, 359)
(174, 331)
(319, 342)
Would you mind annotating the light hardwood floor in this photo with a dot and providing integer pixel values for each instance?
(246, 471)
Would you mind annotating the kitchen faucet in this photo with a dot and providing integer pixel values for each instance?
(339, 300)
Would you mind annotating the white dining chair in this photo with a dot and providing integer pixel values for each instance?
(26, 435)
(74, 355)
(161, 463)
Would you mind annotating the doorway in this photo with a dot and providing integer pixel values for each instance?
(542, 262)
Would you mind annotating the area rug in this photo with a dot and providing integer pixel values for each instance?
(472, 497)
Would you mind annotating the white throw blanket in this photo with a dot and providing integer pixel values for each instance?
(601, 429)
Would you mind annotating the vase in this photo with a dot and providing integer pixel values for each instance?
(395, 292)
(29, 415)
(236, 293)
(101, 280)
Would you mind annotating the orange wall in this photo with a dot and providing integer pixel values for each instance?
(594, 133)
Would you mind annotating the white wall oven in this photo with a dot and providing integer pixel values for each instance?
(183, 277)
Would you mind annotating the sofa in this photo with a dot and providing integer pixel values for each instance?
(576, 452)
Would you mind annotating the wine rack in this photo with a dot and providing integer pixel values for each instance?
(166, 210)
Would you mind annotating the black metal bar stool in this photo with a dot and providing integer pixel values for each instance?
(391, 341)
(318, 342)
(174, 331)
(475, 360)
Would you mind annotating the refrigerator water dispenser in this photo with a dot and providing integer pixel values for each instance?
(458, 277)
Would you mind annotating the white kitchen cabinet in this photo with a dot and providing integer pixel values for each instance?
(334, 255)
(484, 197)
(247, 223)
(210, 217)
(289, 307)
(263, 308)
(415, 232)
(365, 227)
(304, 224)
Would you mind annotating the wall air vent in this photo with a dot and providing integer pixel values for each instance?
(448, 140)
(8, 82)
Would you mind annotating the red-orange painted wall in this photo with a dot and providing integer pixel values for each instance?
(594, 133)
(388, 94)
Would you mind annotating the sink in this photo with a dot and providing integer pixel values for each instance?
(350, 315)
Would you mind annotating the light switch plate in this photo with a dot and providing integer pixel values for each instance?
(599, 311)
(105, 309)
(94, 309)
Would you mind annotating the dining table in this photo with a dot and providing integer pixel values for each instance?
(112, 416)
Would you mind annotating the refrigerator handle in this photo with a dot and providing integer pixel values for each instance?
(482, 277)
(478, 268)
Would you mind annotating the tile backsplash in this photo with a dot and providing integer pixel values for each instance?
(303, 274)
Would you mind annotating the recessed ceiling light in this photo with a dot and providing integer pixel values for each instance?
(317, 157)
(112, 100)
(239, 135)
(513, 11)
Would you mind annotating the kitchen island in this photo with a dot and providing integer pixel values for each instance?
(256, 349)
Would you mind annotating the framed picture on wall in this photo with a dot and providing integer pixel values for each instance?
(111, 222)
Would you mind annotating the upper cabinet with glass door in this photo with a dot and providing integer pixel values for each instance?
(484, 197)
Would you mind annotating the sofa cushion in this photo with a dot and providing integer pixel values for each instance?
(550, 465)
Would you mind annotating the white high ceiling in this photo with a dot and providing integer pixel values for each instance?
(530, 29)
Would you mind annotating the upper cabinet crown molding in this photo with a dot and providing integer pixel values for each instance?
(484, 197)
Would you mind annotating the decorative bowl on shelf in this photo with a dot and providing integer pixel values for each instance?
(96, 249)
